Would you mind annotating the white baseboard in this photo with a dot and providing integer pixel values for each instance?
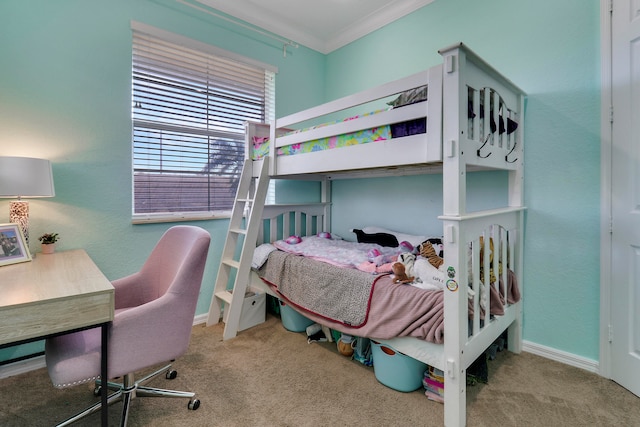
(562, 357)
(590, 365)
(37, 362)
(22, 367)
(200, 319)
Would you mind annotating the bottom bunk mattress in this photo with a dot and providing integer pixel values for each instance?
(358, 303)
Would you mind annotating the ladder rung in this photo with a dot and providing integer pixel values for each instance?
(238, 230)
(244, 200)
(225, 296)
(231, 263)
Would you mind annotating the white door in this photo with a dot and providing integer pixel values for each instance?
(625, 195)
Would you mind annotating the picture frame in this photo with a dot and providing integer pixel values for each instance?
(13, 246)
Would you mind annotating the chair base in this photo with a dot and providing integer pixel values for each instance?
(131, 389)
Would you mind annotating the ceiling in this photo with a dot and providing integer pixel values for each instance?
(320, 25)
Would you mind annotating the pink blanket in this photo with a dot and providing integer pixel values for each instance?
(394, 311)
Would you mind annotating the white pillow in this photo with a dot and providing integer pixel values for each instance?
(402, 237)
(261, 254)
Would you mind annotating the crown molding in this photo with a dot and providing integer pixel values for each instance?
(278, 24)
(374, 21)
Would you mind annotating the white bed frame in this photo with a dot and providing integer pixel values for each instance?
(453, 146)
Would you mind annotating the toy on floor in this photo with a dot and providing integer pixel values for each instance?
(315, 334)
(345, 345)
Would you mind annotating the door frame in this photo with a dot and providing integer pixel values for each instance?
(606, 106)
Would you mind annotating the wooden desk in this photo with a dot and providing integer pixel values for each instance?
(54, 294)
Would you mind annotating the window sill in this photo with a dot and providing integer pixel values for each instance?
(178, 217)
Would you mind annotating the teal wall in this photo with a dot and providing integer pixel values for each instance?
(551, 50)
(65, 95)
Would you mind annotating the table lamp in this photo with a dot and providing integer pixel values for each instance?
(24, 177)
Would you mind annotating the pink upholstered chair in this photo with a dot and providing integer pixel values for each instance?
(154, 315)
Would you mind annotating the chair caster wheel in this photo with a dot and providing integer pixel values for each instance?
(193, 404)
(171, 375)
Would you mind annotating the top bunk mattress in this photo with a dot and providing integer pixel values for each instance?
(260, 144)
(380, 127)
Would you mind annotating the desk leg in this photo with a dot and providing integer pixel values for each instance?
(104, 410)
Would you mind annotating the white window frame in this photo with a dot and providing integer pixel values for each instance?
(160, 132)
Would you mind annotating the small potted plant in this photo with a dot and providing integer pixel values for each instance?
(48, 241)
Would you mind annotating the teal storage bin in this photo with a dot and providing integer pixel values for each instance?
(396, 370)
(292, 320)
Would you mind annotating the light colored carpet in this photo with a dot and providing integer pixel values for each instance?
(268, 376)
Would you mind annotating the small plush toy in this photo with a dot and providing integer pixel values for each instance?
(378, 259)
(406, 246)
(373, 253)
(408, 259)
(427, 251)
(400, 274)
(482, 249)
(345, 345)
(428, 275)
(492, 276)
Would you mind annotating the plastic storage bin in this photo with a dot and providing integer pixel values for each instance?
(292, 320)
(253, 312)
(396, 370)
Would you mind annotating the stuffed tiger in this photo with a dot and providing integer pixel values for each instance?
(428, 251)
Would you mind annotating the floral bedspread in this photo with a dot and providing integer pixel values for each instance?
(382, 133)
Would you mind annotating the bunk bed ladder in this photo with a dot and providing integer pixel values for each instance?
(244, 226)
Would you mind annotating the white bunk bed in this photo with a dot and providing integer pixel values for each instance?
(474, 122)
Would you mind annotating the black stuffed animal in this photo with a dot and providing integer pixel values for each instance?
(382, 239)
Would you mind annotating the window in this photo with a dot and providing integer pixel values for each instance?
(190, 102)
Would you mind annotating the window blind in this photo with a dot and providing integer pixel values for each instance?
(189, 109)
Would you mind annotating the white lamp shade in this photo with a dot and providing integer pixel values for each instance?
(26, 177)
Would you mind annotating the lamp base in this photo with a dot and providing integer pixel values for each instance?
(19, 214)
